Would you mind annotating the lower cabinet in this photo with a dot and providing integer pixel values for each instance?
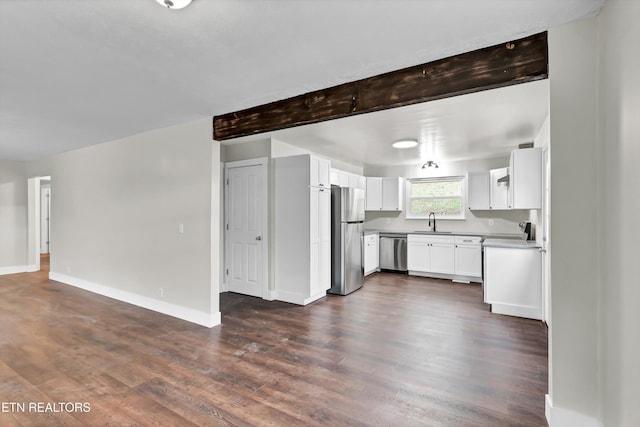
(371, 254)
(468, 257)
(430, 254)
(449, 257)
(513, 281)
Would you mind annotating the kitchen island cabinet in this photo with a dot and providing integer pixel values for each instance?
(513, 277)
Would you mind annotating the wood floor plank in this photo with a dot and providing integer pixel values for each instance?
(400, 351)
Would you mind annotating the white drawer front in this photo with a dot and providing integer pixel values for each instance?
(468, 240)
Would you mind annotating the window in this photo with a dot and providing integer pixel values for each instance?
(442, 196)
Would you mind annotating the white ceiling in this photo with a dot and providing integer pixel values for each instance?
(75, 73)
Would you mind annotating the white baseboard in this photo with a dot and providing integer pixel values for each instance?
(190, 315)
(299, 299)
(517, 310)
(271, 295)
(560, 417)
(15, 269)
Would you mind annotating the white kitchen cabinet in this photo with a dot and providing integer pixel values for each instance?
(362, 182)
(430, 254)
(302, 229)
(384, 194)
(468, 257)
(479, 183)
(525, 180)
(373, 194)
(513, 280)
(334, 176)
(442, 255)
(319, 172)
(354, 181)
(418, 251)
(499, 192)
(371, 253)
(347, 179)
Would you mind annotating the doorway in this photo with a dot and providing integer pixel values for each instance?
(246, 225)
(39, 211)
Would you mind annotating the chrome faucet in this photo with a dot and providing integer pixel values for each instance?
(433, 228)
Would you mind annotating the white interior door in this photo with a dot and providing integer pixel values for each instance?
(45, 213)
(245, 207)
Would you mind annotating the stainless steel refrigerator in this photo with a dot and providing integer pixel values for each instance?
(347, 230)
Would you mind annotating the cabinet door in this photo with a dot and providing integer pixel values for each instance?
(362, 182)
(499, 194)
(319, 172)
(325, 266)
(371, 253)
(323, 173)
(344, 179)
(373, 194)
(314, 214)
(468, 260)
(315, 269)
(353, 180)
(418, 256)
(525, 191)
(324, 215)
(478, 190)
(392, 194)
(442, 258)
(334, 176)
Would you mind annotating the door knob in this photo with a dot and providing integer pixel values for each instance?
(259, 238)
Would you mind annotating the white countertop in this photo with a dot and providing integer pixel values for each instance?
(510, 243)
(503, 236)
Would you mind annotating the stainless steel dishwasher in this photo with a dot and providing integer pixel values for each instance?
(393, 251)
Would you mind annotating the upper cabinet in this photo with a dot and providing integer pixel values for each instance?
(479, 183)
(525, 180)
(384, 194)
(517, 187)
(319, 175)
(499, 188)
(347, 179)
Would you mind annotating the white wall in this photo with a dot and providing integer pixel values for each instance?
(619, 202)
(116, 210)
(573, 329)
(475, 221)
(13, 216)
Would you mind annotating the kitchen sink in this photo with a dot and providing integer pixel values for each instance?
(431, 232)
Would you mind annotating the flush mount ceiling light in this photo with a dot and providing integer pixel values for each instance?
(430, 164)
(174, 4)
(405, 143)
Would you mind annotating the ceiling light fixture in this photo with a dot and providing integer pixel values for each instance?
(174, 4)
(405, 143)
(430, 164)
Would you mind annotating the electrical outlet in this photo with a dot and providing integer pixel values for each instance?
(491, 223)
(181, 228)
(161, 293)
(388, 220)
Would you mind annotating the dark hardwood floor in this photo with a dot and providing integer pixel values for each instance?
(402, 351)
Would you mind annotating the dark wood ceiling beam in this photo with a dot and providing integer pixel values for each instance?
(506, 64)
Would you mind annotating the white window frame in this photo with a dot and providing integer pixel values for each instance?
(463, 197)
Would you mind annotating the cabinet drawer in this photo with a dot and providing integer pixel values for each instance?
(467, 240)
(417, 239)
(371, 238)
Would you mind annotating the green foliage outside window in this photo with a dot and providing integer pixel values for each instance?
(442, 196)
